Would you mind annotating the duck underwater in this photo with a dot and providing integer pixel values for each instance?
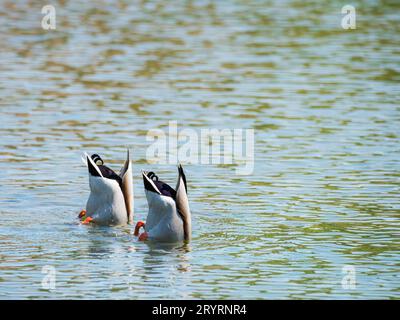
(111, 201)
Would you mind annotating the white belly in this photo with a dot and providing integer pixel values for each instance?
(168, 229)
(106, 211)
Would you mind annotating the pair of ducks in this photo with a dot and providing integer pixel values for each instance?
(111, 202)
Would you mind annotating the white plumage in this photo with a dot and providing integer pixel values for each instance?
(169, 216)
(111, 195)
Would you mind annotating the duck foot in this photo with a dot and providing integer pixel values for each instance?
(82, 214)
(139, 225)
(87, 220)
(143, 236)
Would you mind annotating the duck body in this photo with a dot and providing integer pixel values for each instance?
(106, 203)
(111, 195)
(163, 222)
(169, 217)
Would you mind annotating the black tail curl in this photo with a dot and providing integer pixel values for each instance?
(95, 157)
(151, 175)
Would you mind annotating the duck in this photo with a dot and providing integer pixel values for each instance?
(169, 216)
(110, 200)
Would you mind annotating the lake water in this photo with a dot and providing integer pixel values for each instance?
(324, 104)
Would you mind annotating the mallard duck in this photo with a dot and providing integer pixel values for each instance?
(111, 195)
(169, 217)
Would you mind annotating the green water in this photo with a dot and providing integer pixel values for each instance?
(323, 102)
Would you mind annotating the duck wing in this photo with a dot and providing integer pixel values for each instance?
(127, 186)
(182, 204)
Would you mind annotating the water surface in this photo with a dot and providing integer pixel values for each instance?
(323, 102)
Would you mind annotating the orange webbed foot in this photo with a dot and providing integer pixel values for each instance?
(82, 214)
(139, 225)
(87, 220)
(143, 236)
